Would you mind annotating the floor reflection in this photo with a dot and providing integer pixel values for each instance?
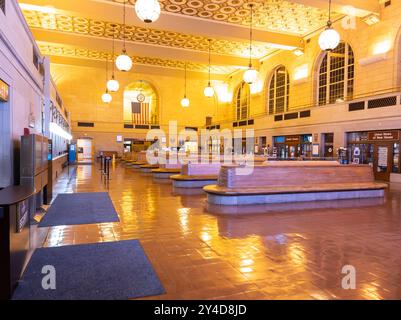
(256, 252)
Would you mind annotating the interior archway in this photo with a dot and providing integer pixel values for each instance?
(141, 103)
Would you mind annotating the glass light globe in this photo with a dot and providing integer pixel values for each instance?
(124, 62)
(329, 39)
(209, 91)
(250, 75)
(106, 97)
(113, 85)
(185, 102)
(147, 10)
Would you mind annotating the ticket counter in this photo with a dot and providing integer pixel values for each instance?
(289, 147)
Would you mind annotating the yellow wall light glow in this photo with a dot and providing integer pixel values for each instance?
(382, 47)
(223, 93)
(301, 72)
(43, 9)
(256, 86)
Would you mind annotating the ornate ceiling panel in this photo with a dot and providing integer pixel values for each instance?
(83, 53)
(98, 28)
(272, 15)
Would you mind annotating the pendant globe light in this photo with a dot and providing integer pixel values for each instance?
(251, 74)
(113, 85)
(209, 91)
(147, 10)
(329, 39)
(185, 100)
(123, 61)
(106, 97)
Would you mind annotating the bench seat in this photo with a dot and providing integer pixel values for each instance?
(284, 183)
(164, 173)
(294, 189)
(148, 167)
(137, 164)
(192, 181)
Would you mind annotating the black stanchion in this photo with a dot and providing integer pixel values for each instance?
(101, 163)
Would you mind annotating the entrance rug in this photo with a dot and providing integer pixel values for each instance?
(101, 271)
(80, 208)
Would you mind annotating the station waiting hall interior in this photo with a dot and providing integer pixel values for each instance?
(200, 149)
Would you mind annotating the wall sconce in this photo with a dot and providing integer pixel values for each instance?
(301, 74)
(380, 51)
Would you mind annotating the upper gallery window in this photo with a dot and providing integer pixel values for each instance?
(279, 91)
(242, 101)
(336, 75)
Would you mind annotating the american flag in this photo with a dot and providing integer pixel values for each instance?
(140, 113)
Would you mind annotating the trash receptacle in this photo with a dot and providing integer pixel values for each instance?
(15, 208)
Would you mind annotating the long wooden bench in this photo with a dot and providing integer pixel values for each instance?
(165, 171)
(298, 182)
(147, 168)
(138, 160)
(196, 175)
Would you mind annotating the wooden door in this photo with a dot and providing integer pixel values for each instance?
(383, 158)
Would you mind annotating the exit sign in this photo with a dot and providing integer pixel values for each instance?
(3, 91)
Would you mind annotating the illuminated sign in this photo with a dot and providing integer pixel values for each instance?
(384, 135)
(3, 91)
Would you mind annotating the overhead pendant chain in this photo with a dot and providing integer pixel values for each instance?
(124, 14)
(123, 61)
(329, 39)
(250, 75)
(209, 60)
(329, 23)
(250, 36)
(114, 30)
(107, 68)
(185, 79)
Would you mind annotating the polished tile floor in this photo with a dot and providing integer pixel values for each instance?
(292, 251)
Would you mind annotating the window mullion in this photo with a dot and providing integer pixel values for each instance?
(328, 61)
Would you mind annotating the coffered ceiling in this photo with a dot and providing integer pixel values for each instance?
(84, 29)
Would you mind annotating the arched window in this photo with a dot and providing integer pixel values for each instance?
(141, 103)
(242, 101)
(279, 91)
(336, 75)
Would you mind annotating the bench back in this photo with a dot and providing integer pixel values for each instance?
(198, 169)
(295, 175)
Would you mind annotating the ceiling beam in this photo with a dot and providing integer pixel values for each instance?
(112, 12)
(137, 69)
(361, 8)
(137, 49)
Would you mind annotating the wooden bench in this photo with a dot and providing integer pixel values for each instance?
(196, 175)
(139, 159)
(165, 171)
(147, 168)
(298, 182)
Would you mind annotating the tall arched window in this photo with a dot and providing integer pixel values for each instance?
(279, 91)
(336, 75)
(242, 101)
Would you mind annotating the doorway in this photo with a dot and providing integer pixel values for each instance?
(85, 151)
(382, 164)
